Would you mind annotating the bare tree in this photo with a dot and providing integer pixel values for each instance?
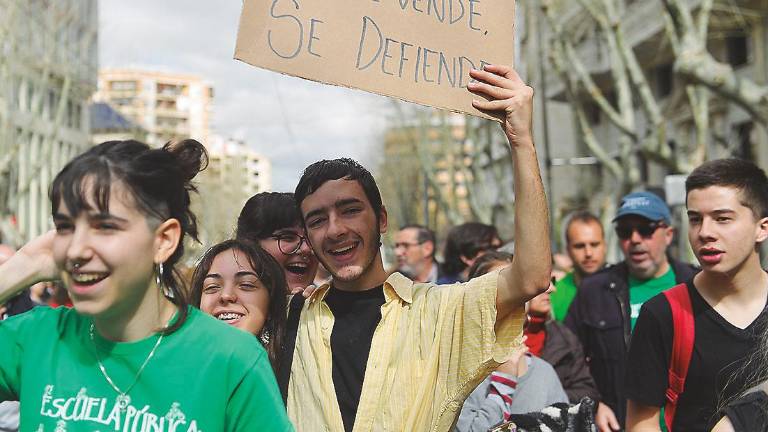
(694, 62)
(461, 162)
(606, 72)
(626, 98)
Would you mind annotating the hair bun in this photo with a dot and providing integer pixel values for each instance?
(190, 154)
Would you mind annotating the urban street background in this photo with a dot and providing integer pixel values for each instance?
(630, 95)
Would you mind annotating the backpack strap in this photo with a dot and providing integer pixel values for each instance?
(682, 347)
(286, 359)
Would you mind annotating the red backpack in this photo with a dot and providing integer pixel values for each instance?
(682, 347)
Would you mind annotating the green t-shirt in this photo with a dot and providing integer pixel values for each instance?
(565, 291)
(642, 291)
(206, 376)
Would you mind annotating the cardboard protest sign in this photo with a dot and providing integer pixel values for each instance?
(417, 50)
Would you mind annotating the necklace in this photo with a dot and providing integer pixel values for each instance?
(123, 399)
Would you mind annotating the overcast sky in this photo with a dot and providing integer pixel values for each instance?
(292, 121)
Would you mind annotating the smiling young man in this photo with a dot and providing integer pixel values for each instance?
(727, 202)
(384, 353)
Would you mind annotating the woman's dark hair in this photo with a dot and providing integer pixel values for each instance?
(265, 213)
(159, 180)
(466, 240)
(318, 173)
(270, 275)
(485, 263)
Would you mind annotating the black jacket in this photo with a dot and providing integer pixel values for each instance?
(599, 315)
(19, 304)
(562, 350)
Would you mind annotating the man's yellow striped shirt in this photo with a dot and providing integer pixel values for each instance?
(432, 347)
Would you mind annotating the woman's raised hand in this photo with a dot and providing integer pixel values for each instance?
(31, 264)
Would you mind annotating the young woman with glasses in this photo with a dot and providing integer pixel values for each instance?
(127, 356)
(272, 220)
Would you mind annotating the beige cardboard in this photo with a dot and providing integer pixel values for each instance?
(417, 50)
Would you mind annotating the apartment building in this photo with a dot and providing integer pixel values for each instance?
(235, 173)
(48, 72)
(167, 105)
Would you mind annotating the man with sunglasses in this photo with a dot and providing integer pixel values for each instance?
(607, 304)
(415, 252)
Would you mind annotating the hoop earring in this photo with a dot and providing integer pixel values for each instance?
(264, 337)
(159, 280)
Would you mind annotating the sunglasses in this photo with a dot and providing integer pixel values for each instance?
(624, 231)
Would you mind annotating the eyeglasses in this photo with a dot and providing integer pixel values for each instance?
(289, 243)
(406, 245)
(625, 230)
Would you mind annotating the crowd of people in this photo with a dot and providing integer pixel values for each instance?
(295, 323)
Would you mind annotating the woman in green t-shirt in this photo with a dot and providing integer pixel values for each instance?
(127, 357)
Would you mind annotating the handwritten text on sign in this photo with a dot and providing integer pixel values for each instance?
(417, 50)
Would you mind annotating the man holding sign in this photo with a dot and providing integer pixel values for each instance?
(370, 352)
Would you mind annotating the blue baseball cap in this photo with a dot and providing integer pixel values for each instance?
(645, 204)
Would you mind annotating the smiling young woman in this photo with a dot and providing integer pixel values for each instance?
(121, 212)
(241, 284)
(272, 220)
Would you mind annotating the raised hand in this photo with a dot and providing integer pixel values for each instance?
(506, 97)
(39, 254)
(31, 264)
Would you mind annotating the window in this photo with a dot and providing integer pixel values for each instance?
(664, 80)
(593, 113)
(737, 50)
(743, 134)
(123, 85)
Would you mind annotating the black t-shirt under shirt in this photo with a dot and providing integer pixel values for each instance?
(356, 315)
(715, 372)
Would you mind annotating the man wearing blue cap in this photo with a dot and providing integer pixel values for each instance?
(608, 303)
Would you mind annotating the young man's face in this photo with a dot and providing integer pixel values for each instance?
(342, 228)
(722, 231)
(586, 246)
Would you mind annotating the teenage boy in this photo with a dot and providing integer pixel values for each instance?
(727, 203)
(384, 353)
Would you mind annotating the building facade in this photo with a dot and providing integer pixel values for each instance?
(48, 72)
(107, 124)
(235, 173)
(167, 105)
(736, 36)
